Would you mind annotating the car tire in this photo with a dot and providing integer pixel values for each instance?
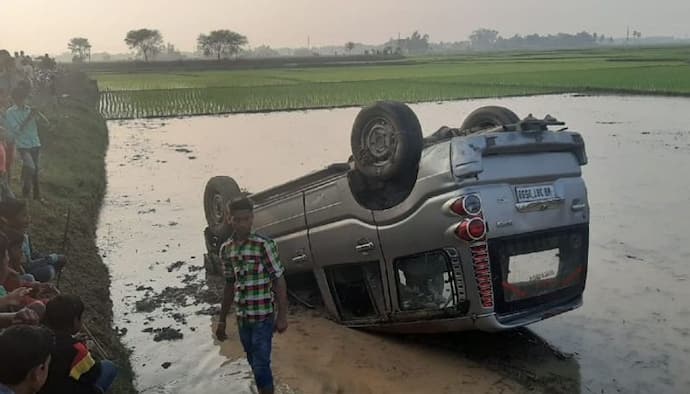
(219, 190)
(386, 141)
(489, 117)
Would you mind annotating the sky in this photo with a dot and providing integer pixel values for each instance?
(40, 26)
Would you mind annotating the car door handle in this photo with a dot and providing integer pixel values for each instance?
(300, 258)
(578, 206)
(364, 247)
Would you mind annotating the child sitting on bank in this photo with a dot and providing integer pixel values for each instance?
(14, 223)
(72, 368)
(25, 358)
(16, 307)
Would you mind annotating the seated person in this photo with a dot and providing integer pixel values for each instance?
(25, 359)
(24, 316)
(73, 369)
(18, 297)
(14, 308)
(42, 267)
(14, 222)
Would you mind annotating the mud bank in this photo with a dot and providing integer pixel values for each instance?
(73, 179)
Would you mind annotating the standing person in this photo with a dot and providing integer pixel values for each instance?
(22, 127)
(6, 70)
(25, 359)
(6, 84)
(253, 272)
(46, 63)
(4, 103)
(28, 71)
(5, 191)
(18, 68)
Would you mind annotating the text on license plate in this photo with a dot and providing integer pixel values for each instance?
(534, 193)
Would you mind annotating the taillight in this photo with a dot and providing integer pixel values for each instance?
(471, 229)
(469, 205)
(482, 273)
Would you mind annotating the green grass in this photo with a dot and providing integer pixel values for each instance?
(642, 71)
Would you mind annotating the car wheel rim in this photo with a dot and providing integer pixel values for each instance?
(218, 208)
(379, 141)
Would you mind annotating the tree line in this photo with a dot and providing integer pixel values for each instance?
(487, 39)
(148, 43)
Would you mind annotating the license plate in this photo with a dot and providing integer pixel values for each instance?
(533, 267)
(534, 193)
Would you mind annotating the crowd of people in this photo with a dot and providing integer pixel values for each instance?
(42, 350)
(20, 68)
(41, 345)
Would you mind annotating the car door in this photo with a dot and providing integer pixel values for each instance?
(348, 261)
(284, 221)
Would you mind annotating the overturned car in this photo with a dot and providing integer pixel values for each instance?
(485, 226)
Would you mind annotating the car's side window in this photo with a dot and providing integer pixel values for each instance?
(357, 290)
(425, 281)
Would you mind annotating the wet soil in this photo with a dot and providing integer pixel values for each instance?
(630, 336)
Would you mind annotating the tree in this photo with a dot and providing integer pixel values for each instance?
(264, 51)
(147, 42)
(221, 43)
(80, 48)
(349, 46)
(302, 52)
(483, 38)
(417, 43)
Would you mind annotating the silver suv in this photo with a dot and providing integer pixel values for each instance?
(485, 226)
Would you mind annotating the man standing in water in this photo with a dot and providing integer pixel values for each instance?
(253, 274)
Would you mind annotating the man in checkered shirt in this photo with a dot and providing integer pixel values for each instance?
(253, 274)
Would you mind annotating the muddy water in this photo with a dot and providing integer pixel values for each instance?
(631, 335)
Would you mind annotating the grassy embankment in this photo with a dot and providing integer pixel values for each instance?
(73, 178)
(661, 71)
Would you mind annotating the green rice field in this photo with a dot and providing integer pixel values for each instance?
(661, 71)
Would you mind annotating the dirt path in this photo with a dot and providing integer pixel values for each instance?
(317, 355)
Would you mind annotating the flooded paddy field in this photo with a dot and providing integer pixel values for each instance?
(631, 335)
